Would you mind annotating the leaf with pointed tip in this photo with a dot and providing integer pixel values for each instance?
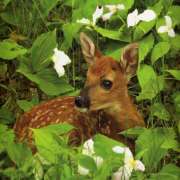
(159, 51)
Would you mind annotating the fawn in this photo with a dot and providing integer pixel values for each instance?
(107, 107)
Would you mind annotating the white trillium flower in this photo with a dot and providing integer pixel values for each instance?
(88, 149)
(60, 59)
(130, 164)
(133, 18)
(97, 14)
(112, 9)
(167, 28)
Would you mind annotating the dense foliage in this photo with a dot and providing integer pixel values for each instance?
(29, 32)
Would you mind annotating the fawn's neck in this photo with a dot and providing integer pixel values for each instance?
(125, 114)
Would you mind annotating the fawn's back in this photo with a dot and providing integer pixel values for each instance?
(103, 106)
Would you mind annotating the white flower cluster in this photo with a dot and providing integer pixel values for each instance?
(60, 59)
(123, 172)
(98, 13)
(167, 28)
(133, 18)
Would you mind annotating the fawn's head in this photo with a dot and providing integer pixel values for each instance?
(107, 79)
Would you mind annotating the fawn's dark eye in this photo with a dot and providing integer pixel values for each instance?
(106, 84)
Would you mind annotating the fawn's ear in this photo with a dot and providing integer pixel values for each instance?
(129, 60)
(88, 49)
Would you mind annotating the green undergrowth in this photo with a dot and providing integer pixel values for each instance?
(29, 32)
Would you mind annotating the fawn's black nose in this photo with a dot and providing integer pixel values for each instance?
(82, 102)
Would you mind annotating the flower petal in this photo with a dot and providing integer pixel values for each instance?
(162, 29)
(147, 15)
(88, 147)
(132, 18)
(97, 14)
(118, 175)
(82, 170)
(168, 21)
(128, 155)
(61, 57)
(59, 68)
(98, 160)
(122, 174)
(84, 21)
(118, 149)
(139, 166)
(171, 32)
(111, 7)
(127, 171)
(120, 6)
(107, 16)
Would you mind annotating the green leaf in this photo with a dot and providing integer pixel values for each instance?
(133, 132)
(47, 140)
(58, 129)
(168, 172)
(115, 35)
(175, 42)
(158, 7)
(112, 34)
(45, 6)
(19, 153)
(159, 50)
(113, 49)
(176, 100)
(87, 162)
(145, 45)
(10, 50)
(12, 173)
(47, 145)
(25, 105)
(160, 111)
(175, 73)
(174, 12)
(47, 80)
(150, 83)
(101, 143)
(70, 31)
(142, 29)
(151, 140)
(8, 16)
(42, 50)
(8, 133)
(171, 144)
(6, 116)
(53, 172)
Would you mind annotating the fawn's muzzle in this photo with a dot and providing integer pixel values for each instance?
(82, 101)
